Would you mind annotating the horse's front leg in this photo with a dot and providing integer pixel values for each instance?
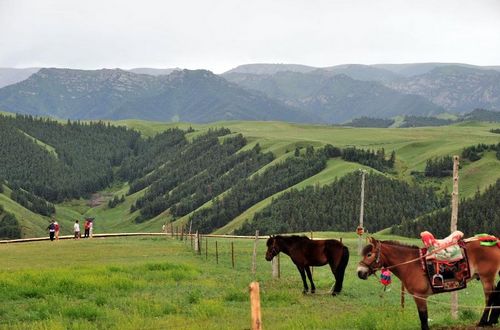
(422, 311)
(309, 275)
(489, 300)
(303, 275)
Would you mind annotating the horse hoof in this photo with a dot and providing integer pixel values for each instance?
(313, 290)
(304, 292)
(335, 294)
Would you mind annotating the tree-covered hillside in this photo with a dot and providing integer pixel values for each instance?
(9, 226)
(336, 207)
(476, 215)
(217, 177)
(61, 161)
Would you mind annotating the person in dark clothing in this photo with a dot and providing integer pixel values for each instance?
(86, 226)
(52, 230)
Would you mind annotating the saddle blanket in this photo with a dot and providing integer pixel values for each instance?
(446, 276)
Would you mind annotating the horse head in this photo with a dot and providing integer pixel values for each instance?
(371, 259)
(272, 248)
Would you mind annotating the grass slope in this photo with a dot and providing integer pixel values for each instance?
(159, 283)
(33, 224)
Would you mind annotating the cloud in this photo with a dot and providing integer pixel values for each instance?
(220, 34)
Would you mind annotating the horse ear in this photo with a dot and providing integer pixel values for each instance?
(372, 240)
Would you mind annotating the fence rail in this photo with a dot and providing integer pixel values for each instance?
(36, 239)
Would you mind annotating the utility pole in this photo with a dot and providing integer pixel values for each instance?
(360, 228)
(453, 227)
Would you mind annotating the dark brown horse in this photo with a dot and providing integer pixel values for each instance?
(305, 253)
(404, 262)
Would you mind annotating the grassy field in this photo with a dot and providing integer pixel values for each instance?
(159, 283)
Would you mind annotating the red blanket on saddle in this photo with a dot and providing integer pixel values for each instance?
(446, 249)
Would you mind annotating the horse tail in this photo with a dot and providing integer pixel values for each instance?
(345, 259)
(340, 270)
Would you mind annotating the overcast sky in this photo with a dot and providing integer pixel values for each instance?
(221, 34)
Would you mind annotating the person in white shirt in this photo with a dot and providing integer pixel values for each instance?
(77, 230)
(91, 228)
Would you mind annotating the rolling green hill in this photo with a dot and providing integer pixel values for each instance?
(413, 147)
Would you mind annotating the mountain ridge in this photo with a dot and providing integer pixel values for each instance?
(187, 95)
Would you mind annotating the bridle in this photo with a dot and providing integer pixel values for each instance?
(376, 264)
(274, 249)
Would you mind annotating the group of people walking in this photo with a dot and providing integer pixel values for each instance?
(53, 230)
(88, 227)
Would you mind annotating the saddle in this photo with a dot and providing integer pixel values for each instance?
(445, 262)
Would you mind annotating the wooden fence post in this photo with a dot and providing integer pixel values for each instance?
(196, 243)
(206, 248)
(276, 266)
(172, 230)
(254, 257)
(216, 254)
(453, 227)
(199, 242)
(361, 211)
(255, 306)
(232, 254)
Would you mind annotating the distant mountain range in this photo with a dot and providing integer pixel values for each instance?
(287, 92)
(195, 96)
(335, 98)
(458, 89)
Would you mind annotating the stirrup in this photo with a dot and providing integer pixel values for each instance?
(437, 281)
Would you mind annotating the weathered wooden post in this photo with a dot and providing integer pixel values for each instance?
(232, 254)
(196, 243)
(172, 230)
(206, 248)
(182, 233)
(216, 254)
(255, 306)
(199, 242)
(254, 257)
(361, 213)
(453, 227)
(276, 266)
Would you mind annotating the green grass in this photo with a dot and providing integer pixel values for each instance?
(159, 283)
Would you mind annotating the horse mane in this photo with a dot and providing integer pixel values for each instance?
(293, 237)
(398, 243)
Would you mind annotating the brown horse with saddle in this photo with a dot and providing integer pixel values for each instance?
(423, 277)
